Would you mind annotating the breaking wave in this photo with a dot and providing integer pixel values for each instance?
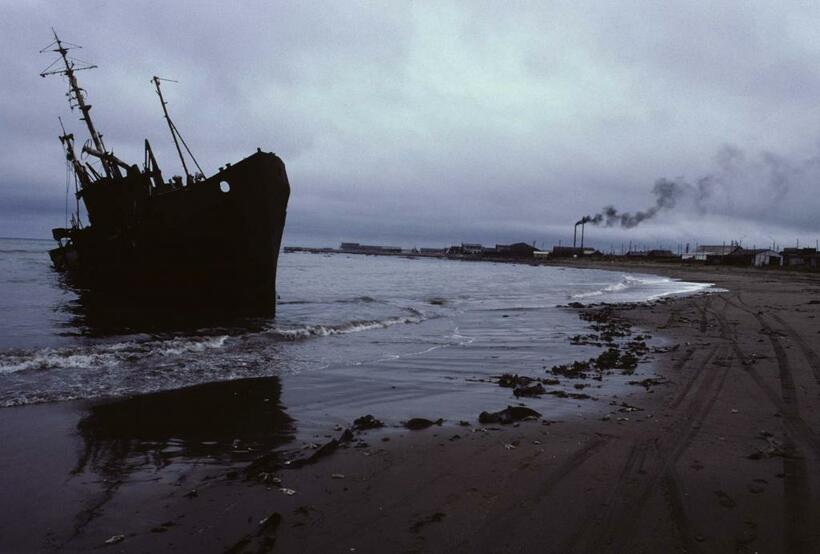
(307, 331)
(110, 355)
(633, 289)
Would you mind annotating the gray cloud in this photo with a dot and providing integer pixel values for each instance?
(432, 122)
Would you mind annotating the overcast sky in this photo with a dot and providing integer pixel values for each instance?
(425, 123)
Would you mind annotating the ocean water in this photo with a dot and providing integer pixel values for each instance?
(352, 334)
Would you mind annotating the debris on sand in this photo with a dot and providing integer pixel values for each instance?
(625, 408)
(435, 518)
(573, 395)
(575, 370)
(509, 414)
(270, 521)
(267, 477)
(115, 539)
(264, 536)
(665, 349)
(510, 381)
(418, 423)
(329, 447)
(525, 386)
(774, 448)
(367, 422)
(324, 450)
(649, 382)
(535, 389)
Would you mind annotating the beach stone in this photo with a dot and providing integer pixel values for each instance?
(418, 423)
(508, 415)
(367, 422)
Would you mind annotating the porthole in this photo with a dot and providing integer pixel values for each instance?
(224, 186)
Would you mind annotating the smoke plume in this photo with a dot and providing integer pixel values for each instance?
(666, 192)
(739, 185)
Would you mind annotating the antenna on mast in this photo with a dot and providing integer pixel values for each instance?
(76, 95)
(175, 134)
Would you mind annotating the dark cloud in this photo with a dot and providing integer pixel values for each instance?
(434, 122)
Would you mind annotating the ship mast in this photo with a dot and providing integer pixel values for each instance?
(77, 95)
(175, 134)
(80, 174)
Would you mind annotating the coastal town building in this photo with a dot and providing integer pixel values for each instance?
(753, 257)
(801, 257)
(432, 251)
(356, 248)
(471, 249)
(516, 250)
(567, 252)
(709, 253)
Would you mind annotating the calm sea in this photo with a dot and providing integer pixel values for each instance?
(352, 334)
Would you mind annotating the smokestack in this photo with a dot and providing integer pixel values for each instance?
(584, 224)
(575, 235)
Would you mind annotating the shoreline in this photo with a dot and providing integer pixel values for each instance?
(721, 455)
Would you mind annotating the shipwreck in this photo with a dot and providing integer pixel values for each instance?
(155, 237)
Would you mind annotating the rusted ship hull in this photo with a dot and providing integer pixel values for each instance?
(219, 235)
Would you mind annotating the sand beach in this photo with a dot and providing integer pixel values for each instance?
(717, 451)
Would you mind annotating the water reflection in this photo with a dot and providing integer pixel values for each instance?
(103, 313)
(225, 422)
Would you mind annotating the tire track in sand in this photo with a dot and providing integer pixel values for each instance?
(798, 525)
(648, 465)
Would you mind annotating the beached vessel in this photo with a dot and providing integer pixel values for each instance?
(148, 236)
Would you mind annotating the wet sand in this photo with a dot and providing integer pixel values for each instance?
(719, 453)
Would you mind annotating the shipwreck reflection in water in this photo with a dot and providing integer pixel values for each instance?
(108, 313)
(216, 423)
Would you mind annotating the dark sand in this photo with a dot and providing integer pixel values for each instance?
(721, 457)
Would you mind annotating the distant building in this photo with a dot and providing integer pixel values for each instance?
(567, 252)
(704, 252)
(356, 248)
(517, 250)
(752, 257)
(658, 253)
(432, 251)
(801, 257)
(471, 249)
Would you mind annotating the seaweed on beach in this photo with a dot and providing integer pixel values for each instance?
(575, 370)
(623, 351)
